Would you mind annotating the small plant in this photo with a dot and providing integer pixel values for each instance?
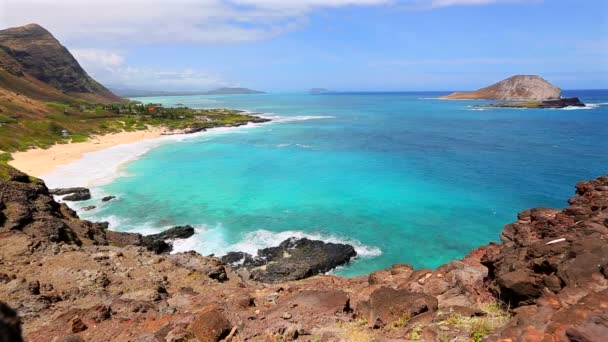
(416, 333)
(479, 327)
(402, 321)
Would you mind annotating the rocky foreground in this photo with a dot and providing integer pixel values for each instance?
(71, 280)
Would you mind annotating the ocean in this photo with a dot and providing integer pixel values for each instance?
(404, 177)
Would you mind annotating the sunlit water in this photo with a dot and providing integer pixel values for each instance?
(404, 177)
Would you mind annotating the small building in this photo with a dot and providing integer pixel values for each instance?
(65, 133)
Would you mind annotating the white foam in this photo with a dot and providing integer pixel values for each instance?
(587, 107)
(211, 241)
(281, 119)
(102, 167)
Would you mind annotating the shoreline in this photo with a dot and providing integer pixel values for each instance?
(38, 162)
(77, 164)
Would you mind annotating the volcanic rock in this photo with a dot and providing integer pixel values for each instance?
(387, 306)
(293, 259)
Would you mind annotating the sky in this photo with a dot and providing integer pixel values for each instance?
(343, 45)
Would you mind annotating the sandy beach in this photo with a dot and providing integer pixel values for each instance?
(38, 162)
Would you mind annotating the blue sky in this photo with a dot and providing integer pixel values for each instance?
(281, 45)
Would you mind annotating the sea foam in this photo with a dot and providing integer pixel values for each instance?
(99, 168)
(211, 240)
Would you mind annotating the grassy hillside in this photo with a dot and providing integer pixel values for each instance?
(26, 123)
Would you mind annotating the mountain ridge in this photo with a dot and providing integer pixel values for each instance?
(35, 64)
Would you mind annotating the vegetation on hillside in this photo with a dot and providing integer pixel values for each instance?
(62, 123)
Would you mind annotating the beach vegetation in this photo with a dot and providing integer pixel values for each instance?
(60, 123)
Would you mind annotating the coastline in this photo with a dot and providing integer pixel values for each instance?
(77, 164)
(38, 162)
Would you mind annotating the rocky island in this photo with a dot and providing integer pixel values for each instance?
(525, 91)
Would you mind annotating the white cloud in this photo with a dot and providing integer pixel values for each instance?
(98, 57)
(111, 68)
(430, 4)
(151, 21)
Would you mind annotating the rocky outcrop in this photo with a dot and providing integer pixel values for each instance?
(27, 206)
(72, 280)
(549, 250)
(293, 259)
(31, 54)
(518, 87)
(157, 243)
(559, 103)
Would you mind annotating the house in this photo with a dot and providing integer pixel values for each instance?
(65, 133)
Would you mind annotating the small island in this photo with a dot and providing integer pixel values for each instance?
(232, 91)
(525, 91)
(318, 91)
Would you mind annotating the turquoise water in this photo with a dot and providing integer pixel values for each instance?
(403, 176)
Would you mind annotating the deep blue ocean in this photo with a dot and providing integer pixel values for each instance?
(405, 177)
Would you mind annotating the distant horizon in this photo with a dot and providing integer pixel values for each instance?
(329, 91)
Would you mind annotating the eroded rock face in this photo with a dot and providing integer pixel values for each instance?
(27, 206)
(293, 259)
(548, 249)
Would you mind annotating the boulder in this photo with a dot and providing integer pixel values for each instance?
(387, 306)
(78, 196)
(108, 198)
(210, 325)
(66, 191)
(179, 232)
(155, 242)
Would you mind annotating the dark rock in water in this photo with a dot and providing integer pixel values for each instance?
(293, 259)
(155, 242)
(561, 103)
(157, 246)
(179, 232)
(88, 208)
(10, 324)
(79, 196)
(241, 259)
(557, 103)
(108, 198)
(67, 191)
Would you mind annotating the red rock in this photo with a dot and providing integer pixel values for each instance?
(387, 305)
(210, 325)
